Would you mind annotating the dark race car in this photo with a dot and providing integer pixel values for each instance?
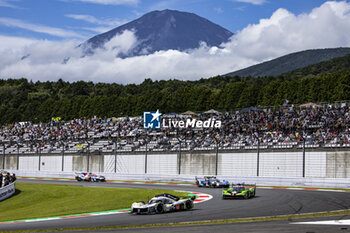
(88, 176)
(211, 182)
(243, 191)
(162, 203)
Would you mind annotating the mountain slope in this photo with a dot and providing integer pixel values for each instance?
(164, 30)
(291, 62)
(339, 64)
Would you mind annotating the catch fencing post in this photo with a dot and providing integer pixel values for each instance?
(39, 151)
(115, 156)
(146, 157)
(216, 158)
(258, 159)
(3, 156)
(88, 157)
(62, 156)
(180, 158)
(303, 157)
(17, 157)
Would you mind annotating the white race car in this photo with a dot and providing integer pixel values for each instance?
(88, 176)
(163, 203)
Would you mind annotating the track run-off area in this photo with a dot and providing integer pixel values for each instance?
(270, 203)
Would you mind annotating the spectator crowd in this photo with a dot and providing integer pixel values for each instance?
(317, 126)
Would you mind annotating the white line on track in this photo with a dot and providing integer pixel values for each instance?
(329, 222)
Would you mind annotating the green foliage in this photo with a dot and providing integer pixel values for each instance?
(21, 100)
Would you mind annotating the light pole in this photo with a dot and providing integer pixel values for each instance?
(146, 152)
(88, 157)
(39, 154)
(303, 154)
(3, 155)
(62, 144)
(115, 155)
(257, 154)
(17, 156)
(218, 140)
(180, 141)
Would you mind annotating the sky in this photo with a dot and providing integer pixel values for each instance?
(39, 38)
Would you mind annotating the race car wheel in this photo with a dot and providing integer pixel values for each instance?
(182, 206)
(188, 205)
(78, 179)
(160, 208)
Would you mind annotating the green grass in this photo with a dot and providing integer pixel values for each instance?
(48, 200)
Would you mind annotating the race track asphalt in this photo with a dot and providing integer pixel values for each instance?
(268, 202)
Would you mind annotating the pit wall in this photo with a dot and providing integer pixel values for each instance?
(273, 167)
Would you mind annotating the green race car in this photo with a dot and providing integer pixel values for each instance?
(236, 191)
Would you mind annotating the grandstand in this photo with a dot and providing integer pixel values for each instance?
(314, 126)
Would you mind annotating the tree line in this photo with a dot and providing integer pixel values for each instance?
(23, 100)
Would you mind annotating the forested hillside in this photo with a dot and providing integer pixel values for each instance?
(23, 100)
(291, 62)
(339, 64)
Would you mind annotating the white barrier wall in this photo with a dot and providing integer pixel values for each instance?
(198, 163)
(316, 164)
(68, 163)
(109, 163)
(237, 164)
(280, 164)
(29, 163)
(162, 164)
(323, 164)
(338, 164)
(131, 164)
(51, 163)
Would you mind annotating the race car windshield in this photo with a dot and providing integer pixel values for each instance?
(152, 201)
(238, 189)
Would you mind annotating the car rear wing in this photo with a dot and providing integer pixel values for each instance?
(176, 198)
(245, 185)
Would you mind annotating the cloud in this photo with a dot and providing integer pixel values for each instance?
(94, 20)
(109, 2)
(6, 3)
(10, 22)
(107, 24)
(218, 10)
(282, 33)
(254, 2)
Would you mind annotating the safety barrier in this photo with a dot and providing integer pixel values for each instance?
(262, 181)
(317, 164)
(7, 191)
